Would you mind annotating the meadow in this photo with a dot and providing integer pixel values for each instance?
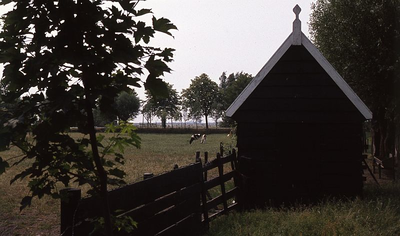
(159, 153)
(377, 213)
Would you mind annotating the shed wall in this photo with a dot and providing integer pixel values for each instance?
(298, 134)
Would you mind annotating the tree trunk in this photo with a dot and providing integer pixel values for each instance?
(101, 173)
(384, 133)
(206, 122)
(164, 121)
(99, 168)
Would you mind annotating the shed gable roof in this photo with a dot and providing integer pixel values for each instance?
(298, 38)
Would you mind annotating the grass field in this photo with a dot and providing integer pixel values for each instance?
(158, 154)
(378, 213)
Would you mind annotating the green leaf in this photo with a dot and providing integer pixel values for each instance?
(156, 67)
(163, 25)
(100, 138)
(127, 5)
(167, 54)
(143, 12)
(157, 87)
(5, 2)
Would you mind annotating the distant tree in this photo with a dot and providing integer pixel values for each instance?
(218, 110)
(200, 97)
(164, 107)
(61, 58)
(185, 115)
(230, 87)
(148, 112)
(361, 38)
(102, 119)
(177, 116)
(127, 105)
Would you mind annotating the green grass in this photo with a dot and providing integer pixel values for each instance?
(377, 214)
(158, 154)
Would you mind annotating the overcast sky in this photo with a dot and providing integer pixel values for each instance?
(214, 36)
(224, 35)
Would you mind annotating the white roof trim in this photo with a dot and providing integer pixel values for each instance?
(351, 95)
(259, 77)
(347, 90)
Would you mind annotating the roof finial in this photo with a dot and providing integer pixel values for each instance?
(296, 35)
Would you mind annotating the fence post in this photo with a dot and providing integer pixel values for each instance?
(206, 174)
(222, 183)
(233, 162)
(205, 162)
(70, 198)
(198, 156)
(203, 196)
(221, 148)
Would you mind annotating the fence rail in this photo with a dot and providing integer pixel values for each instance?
(171, 203)
(225, 198)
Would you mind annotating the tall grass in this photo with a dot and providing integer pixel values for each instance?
(377, 213)
(158, 154)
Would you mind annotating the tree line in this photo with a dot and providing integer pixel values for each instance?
(204, 98)
(361, 39)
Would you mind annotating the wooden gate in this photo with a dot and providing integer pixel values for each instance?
(162, 205)
(174, 203)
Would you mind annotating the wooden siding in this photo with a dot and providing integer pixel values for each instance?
(299, 135)
(287, 162)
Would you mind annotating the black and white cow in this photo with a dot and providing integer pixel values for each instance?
(197, 136)
(194, 137)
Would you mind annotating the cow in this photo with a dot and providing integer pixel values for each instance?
(194, 137)
(197, 136)
(203, 138)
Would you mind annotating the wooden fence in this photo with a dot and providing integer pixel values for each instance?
(174, 203)
(226, 198)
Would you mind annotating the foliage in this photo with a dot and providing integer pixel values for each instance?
(102, 119)
(200, 97)
(163, 107)
(127, 105)
(63, 59)
(230, 88)
(362, 41)
(148, 112)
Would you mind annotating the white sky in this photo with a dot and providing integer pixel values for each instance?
(224, 35)
(214, 36)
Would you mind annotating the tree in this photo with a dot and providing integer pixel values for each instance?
(361, 38)
(127, 105)
(103, 119)
(164, 107)
(63, 59)
(230, 87)
(200, 97)
(148, 112)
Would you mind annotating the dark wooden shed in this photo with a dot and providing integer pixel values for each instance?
(299, 128)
